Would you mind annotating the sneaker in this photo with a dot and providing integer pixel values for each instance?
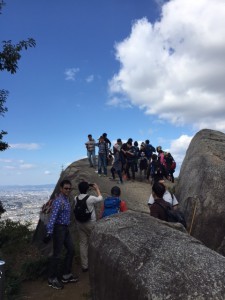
(71, 278)
(55, 284)
(84, 270)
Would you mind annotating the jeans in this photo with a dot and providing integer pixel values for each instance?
(91, 158)
(61, 237)
(113, 171)
(130, 165)
(102, 161)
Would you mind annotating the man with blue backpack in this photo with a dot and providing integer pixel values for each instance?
(113, 204)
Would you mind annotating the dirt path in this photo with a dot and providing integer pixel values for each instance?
(39, 290)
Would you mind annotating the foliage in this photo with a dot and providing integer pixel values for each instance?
(10, 54)
(33, 269)
(9, 58)
(2, 210)
(23, 261)
(14, 236)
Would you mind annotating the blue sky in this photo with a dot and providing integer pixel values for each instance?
(141, 69)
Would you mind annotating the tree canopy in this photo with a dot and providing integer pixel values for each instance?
(10, 55)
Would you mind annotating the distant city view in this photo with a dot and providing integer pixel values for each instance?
(23, 203)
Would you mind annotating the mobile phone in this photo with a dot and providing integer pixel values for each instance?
(91, 184)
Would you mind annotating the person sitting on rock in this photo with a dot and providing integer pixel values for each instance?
(113, 204)
(167, 196)
(159, 207)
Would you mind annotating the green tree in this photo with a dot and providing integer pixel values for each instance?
(10, 55)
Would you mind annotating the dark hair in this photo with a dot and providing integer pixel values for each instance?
(130, 140)
(115, 191)
(119, 141)
(147, 142)
(104, 134)
(159, 189)
(135, 143)
(154, 157)
(90, 135)
(83, 187)
(64, 182)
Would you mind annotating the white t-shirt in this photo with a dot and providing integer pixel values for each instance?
(90, 203)
(167, 197)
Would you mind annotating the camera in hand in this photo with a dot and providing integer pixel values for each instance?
(91, 184)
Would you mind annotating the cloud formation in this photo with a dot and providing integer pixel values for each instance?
(30, 146)
(175, 68)
(90, 78)
(71, 73)
(178, 149)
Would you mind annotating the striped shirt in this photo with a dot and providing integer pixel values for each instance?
(90, 145)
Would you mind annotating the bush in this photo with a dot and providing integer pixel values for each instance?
(22, 261)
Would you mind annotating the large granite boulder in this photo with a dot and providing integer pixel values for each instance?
(201, 188)
(136, 195)
(137, 257)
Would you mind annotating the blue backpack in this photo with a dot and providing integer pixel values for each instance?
(111, 206)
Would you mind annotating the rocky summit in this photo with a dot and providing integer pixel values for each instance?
(201, 188)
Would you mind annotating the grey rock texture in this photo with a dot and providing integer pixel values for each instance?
(136, 195)
(201, 188)
(134, 256)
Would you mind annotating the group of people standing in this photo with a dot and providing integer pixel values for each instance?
(128, 158)
(57, 227)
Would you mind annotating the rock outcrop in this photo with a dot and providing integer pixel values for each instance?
(136, 195)
(134, 256)
(201, 188)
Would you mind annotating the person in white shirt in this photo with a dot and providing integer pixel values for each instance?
(168, 197)
(85, 228)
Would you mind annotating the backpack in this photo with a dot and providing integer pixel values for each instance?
(174, 216)
(111, 206)
(173, 165)
(46, 210)
(81, 212)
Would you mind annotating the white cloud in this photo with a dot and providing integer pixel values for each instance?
(175, 68)
(31, 146)
(178, 149)
(5, 160)
(90, 78)
(10, 167)
(119, 102)
(71, 73)
(27, 166)
(47, 173)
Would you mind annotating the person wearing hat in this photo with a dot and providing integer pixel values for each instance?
(113, 204)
